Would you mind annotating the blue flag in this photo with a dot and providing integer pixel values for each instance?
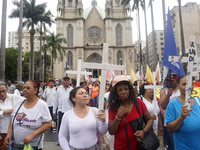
(170, 49)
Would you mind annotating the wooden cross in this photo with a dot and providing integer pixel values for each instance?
(154, 87)
(79, 73)
(192, 61)
(104, 67)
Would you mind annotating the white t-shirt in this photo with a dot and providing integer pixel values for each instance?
(9, 103)
(16, 92)
(49, 94)
(29, 120)
(82, 132)
(150, 108)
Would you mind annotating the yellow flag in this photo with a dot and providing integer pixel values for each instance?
(133, 76)
(149, 75)
(99, 78)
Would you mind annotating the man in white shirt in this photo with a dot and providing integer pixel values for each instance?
(7, 104)
(62, 102)
(49, 96)
(11, 87)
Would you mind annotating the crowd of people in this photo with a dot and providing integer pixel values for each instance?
(30, 108)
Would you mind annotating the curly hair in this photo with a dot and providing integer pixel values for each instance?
(114, 100)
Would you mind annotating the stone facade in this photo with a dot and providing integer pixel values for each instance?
(87, 30)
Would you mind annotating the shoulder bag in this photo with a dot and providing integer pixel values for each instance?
(103, 141)
(150, 141)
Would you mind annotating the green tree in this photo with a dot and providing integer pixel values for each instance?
(32, 14)
(36, 64)
(54, 43)
(46, 19)
(11, 64)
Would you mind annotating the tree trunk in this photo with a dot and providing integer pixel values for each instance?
(182, 35)
(153, 37)
(52, 64)
(3, 41)
(146, 32)
(139, 40)
(32, 32)
(164, 16)
(19, 66)
(40, 70)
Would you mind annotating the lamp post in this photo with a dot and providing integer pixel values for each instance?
(45, 58)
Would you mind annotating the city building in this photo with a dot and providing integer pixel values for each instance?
(191, 24)
(26, 41)
(159, 44)
(87, 30)
(11, 37)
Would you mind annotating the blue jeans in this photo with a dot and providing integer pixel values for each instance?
(96, 101)
(169, 139)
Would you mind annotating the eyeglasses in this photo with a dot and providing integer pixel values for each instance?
(3, 91)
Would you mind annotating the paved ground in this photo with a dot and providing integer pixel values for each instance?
(50, 140)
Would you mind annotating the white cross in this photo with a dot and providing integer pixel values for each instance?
(79, 73)
(192, 61)
(154, 87)
(104, 67)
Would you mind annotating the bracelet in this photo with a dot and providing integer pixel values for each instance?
(144, 131)
(117, 118)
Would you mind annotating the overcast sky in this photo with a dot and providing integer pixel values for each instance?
(12, 24)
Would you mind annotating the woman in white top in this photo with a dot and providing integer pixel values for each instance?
(80, 123)
(7, 104)
(31, 120)
(146, 95)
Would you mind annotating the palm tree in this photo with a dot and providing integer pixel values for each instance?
(164, 16)
(54, 43)
(32, 14)
(143, 4)
(19, 66)
(136, 7)
(153, 35)
(182, 35)
(45, 19)
(3, 41)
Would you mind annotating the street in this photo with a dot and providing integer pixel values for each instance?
(50, 140)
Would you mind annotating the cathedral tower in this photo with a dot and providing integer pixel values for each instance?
(86, 31)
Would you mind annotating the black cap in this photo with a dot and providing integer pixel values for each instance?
(66, 77)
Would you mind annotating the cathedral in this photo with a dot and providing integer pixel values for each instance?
(87, 29)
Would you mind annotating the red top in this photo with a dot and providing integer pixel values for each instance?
(120, 137)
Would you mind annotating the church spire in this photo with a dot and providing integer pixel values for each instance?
(94, 3)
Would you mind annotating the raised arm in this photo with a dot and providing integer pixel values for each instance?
(113, 125)
(176, 124)
(165, 98)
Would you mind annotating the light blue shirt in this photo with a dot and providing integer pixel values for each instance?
(62, 101)
(188, 135)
